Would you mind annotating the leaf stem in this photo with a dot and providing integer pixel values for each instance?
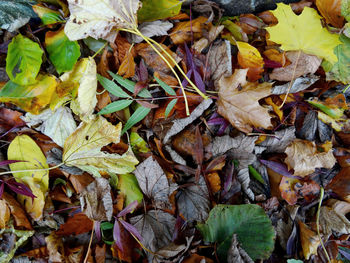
(318, 223)
(100, 49)
(34, 170)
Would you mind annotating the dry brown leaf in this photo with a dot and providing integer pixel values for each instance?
(304, 157)
(331, 11)
(55, 247)
(340, 184)
(183, 31)
(127, 67)
(309, 240)
(277, 56)
(4, 213)
(239, 102)
(100, 254)
(333, 222)
(305, 64)
(219, 60)
(75, 225)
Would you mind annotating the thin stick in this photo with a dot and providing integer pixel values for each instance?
(34, 170)
(100, 49)
(318, 223)
(89, 247)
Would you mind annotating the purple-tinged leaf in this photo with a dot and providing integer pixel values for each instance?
(138, 87)
(222, 129)
(97, 229)
(292, 241)
(216, 121)
(189, 58)
(198, 80)
(344, 253)
(178, 227)
(20, 188)
(185, 82)
(11, 130)
(228, 177)
(7, 162)
(117, 235)
(271, 64)
(142, 72)
(279, 168)
(131, 207)
(147, 104)
(131, 229)
(2, 189)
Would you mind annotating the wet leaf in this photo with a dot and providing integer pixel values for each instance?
(241, 107)
(23, 60)
(23, 148)
(98, 19)
(246, 221)
(158, 9)
(154, 183)
(83, 149)
(303, 32)
(63, 53)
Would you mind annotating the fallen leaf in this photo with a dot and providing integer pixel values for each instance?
(83, 149)
(219, 60)
(339, 184)
(184, 31)
(204, 42)
(11, 118)
(98, 19)
(151, 29)
(277, 57)
(332, 222)
(280, 141)
(129, 187)
(303, 32)
(63, 53)
(309, 240)
(57, 125)
(236, 253)
(331, 11)
(287, 190)
(172, 250)
(299, 84)
(193, 201)
(301, 64)
(47, 15)
(158, 9)
(4, 213)
(156, 228)
(127, 66)
(96, 200)
(241, 107)
(23, 60)
(55, 247)
(77, 224)
(304, 157)
(154, 183)
(195, 258)
(249, 57)
(23, 148)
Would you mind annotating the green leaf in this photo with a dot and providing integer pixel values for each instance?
(115, 106)
(23, 60)
(249, 222)
(63, 53)
(112, 87)
(169, 107)
(15, 14)
(294, 261)
(165, 87)
(129, 186)
(137, 143)
(95, 44)
(47, 15)
(256, 174)
(138, 115)
(158, 9)
(345, 9)
(130, 85)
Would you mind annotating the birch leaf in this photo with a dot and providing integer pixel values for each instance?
(303, 32)
(99, 19)
(83, 149)
(23, 148)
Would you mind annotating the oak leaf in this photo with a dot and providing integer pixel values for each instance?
(241, 107)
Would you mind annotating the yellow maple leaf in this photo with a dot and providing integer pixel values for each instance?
(303, 32)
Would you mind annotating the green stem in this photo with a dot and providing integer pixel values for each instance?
(318, 223)
(98, 51)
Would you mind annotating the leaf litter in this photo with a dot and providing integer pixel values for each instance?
(164, 131)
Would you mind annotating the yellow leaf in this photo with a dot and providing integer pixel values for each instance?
(303, 32)
(83, 149)
(249, 57)
(4, 213)
(127, 68)
(23, 148)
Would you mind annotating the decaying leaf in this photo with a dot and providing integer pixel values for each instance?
(331, 11)
(55, 247)
(184, 31)
(23, 148)
(236, 254)
(75, 225)
(83, 149)
(127, 66)
(309, 240)
(151, 29)
(280, 141)
(98, 18)
(219, 60)
(241, 107)
(96, 200)
(154, 183)
(4, 213)
(299, 84)
(332, 222)
(57, 125)
(304, 157)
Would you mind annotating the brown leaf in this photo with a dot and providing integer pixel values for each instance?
(80, 182)
(195, 258)
(241, 107)
(214, 182)
(331, 11)
(333, 222)
(340, 184)
(305, 64)
(75, 225)
(236, 254)
(309, 240)
(17, 212)
(127, 67)
(100, 253)
(4, 213)
(219, 60)
(304, 157)
(183, 31)
(277, 56)
(11, 118)
(130, 246)
(38, 253)
(55, 247)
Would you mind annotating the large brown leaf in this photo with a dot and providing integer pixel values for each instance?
(239, 102)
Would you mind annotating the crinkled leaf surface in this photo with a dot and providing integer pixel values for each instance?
(303, 32)
(158, 9)
(23, 148)
(99, 19)
(63, 53)
(83, 149)
(32, 98)
(15, 14)
(57, 125)
(23, 60)
(252, 226)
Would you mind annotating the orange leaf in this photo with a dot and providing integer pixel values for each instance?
(4, 213)
(331, 11)
(249, 57)
(183, 31)
(127, 68)
(76, 225)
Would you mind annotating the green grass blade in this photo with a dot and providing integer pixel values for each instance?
(137, 116)
(170, 107)
(165, 87)
(115, 106)
(112, 87)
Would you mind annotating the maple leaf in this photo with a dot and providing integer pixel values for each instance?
(303, 32)
(241, 107)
